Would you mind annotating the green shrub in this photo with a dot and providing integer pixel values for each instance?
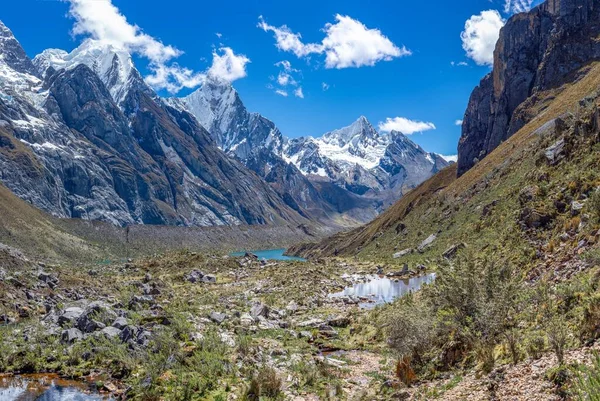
(587, 385)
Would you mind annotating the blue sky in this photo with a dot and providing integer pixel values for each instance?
(414, 68)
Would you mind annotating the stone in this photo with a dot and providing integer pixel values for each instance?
(209, 278)
(70, 336)
(339, 321)
(120, 323)
(246, 320)
(576, 208)
(427, 243)
(110, 332)
(70, 315)
(555, 152)
(405, 252)
(195, 276)
(292, 307)
(218, 317)
(96, 316)
(259, 309)
(453, 250)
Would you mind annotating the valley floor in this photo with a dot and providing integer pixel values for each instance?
(190, 326)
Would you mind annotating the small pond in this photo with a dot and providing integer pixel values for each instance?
(270, 254)
(380, 290)
(43, 387)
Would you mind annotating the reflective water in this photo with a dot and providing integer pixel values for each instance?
(380, 290)
(44, 388)
(270, 254)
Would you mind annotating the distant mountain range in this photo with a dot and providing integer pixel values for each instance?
(82, 135)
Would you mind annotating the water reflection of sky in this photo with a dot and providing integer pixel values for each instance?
(382, 289)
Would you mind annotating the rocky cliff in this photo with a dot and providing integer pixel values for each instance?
(82, 135)
(536, 51)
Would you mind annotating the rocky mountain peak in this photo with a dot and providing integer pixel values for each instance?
(536, 51)
(12, 54)
(112, 64)
(359, 130)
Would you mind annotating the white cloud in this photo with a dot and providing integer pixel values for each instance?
(325, 86)
(480, 36)
(102, 21)
(281, 92)
(459, 64)
(228, 66)
(458, 122)
(219, 35)
(289, 41)
(450, 158)
(286, 65)
(517, 6)
(404, 125)
(348, 43)
(298, 93)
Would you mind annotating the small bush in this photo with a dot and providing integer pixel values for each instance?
(265, 384)
(558, 337)
(587, 386)
(536, 346)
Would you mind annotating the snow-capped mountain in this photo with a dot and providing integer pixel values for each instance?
(82, 135)
(364, 161)
(369, 169)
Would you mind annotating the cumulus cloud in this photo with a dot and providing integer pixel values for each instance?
(348, 43)
(325, 86)
(298, 93)
(228, 65)
(404, 125)
(102, 21)
(281, 92)
(480, 36)
(458, 122)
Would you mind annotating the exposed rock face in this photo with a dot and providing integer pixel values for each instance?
(536, 51)
(91, 140)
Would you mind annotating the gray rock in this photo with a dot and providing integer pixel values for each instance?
(120, 323)
(70, 336)
(453, 250)
(70, 316)
(259, 309)
(209, 278)
(195, 276)
(110, 332)
(218, 317)
(400, 254)
(576, 208)
(427, 243)
(555, 152)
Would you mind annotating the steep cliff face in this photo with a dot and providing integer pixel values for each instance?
(82, 135)
(536, 51)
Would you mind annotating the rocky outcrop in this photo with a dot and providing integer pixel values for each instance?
(91, 140)
(536, 51)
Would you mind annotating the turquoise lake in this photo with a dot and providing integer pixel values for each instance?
(270, 254)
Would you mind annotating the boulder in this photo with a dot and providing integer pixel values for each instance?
(453, 250)
(427, 243)
(120, 323)
(111, 332)
(400, 254)
(555, 153)
(70, 336)
(195, 276)
(259, 309)
(576, 208)
(70, 316)
(218, 317)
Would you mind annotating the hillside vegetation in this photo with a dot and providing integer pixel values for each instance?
(514, 204)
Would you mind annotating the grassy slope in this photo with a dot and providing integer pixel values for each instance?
(453, 208)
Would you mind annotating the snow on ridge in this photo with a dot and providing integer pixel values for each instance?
(113, 65)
